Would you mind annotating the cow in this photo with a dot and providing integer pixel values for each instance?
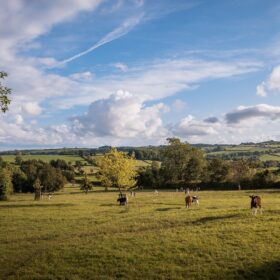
(195, 200)
(255, 204)
(123, 200)
(188, 200)
(191, 199)
(132, 193)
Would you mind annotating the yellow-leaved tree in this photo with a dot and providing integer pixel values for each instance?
(117, 170)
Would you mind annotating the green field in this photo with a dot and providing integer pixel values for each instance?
(273, 157)
(46, 158)
(79, 236)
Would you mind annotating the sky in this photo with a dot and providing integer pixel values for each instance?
(88, 73)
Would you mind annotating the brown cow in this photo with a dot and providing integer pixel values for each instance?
(188, 200)
(256, 203)
(191, 199)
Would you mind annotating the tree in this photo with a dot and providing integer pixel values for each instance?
(31, 168)
(6, 185)
(86, 184)
(2, 162)
(37, 189)
(4, 94)
(242, 170)
(218, 170)
(19, 180)
(150, 176)
(117, 170)
(51, 178)
(67, 170)
(195, 167)
(18, 159)
(175, 158)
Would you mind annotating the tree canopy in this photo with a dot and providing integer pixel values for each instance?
(117, 170)
(4, 94)
(6, 185)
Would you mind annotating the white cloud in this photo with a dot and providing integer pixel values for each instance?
(274, 79)
(154, 80)
(18, 119)
(121, 66)
(189, 126)
(25, 20)
(31, 108)
(178, 105)
(272, 84)
(122, 115)
(261, 91)
(87, 75)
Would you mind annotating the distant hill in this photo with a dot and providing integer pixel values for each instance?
(268, 151)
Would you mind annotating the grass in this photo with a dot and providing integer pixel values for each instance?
(46, 158)
(79, 236)
(273, 157)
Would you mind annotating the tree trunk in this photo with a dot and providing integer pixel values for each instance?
(239, 187)
(38, 195)
(3, 197)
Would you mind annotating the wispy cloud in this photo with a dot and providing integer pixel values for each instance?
(120, 31)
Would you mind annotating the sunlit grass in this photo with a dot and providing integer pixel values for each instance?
(79, 236)
(45, 158)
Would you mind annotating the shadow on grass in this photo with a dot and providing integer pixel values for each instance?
(267, 271)
(36, 205)
(109, 204)
(163, 203)
(167, 208)
(214, 218)
(271, 211)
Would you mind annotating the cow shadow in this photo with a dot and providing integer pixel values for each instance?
(167, 209)
(162, 203)
(214, 219)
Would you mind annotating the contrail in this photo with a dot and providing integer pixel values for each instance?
(120, 31)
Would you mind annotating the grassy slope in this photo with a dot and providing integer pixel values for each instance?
(46, 158)
(78, 236)
(271, 154)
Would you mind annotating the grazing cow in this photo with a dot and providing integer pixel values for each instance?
(191, 199)
(49, 196)
(156, 192)
(255, 203)
(123, 200)
(188, 200)
(132, 193)
(195, 200)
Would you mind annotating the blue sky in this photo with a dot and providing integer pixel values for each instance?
(134, 72)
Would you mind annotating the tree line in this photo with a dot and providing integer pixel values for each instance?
(33, 176)
(183, 165)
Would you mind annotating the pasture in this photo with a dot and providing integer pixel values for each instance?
(79, 236)
(45, 158)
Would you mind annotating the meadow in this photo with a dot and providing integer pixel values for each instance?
(88, 236)
(45, 158)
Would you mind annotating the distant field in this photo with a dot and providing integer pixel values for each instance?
(79, 236)
(273, 157)
(247, 149)
(46, 158)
